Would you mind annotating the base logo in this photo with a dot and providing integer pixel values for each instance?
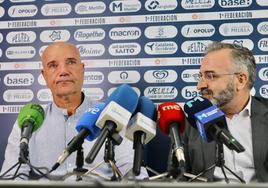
(189, 92)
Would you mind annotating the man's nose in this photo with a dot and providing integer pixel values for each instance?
(63, 69)
(201, 84)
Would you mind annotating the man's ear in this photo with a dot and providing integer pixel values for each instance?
(242, 80)
(43, 74)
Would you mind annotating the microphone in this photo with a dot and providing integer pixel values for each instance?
(210, 122)
(171, 122)
(86, 128)
(30, 118)
(119, 107)
(141, 129)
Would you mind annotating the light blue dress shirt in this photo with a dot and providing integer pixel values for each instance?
(48, 142)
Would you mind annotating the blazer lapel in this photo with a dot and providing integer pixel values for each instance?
(259, 132)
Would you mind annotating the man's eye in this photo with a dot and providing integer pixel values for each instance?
(52, 66)
(71, 62)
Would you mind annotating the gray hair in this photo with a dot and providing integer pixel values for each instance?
(242, 57)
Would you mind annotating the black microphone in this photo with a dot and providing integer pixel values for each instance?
(115, 116)
(86, 129)
(210, 122)
(141, 130)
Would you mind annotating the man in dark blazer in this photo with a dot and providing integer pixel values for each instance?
(227, 75)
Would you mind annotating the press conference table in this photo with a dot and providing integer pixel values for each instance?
(58, 184)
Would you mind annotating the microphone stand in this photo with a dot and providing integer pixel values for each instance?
(220, 163)
(23, 159)
(112, 139)
(79, 163)
(176, 170)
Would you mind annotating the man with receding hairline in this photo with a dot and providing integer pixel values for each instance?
(63, 72)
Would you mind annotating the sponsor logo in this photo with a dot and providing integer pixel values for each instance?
(160, 76)
(44, 95)
(1, 53)
(197, 46)
(263, 74)
(122, 49)
(117, 77)
(264, 91)
(241, 42)
(124, 62)
(22, 11)
(263, 28)
(167, 47)
(236, 29)
(198, 30)
(189, 75)
(20, 52)
(21, 37)
(235, 14)
(95, 94)
(1, 37)
(26, 79)
(161, 92)
(234, 3)
(261, 59)
(189, 92)
(197, 4)
(263, 44)
(89, 34)
(8, 109)
(90, 21)
(160, 5)
(18, 95)
(2, 12)
(22, 24)
(93, 77)
(125, 6)
(262, 2)
(56, 9)
(124, 33)
(90, 50)
(95, 7)
(161, 32)
(41, 80)
(113, 88)
(161, 18)
(54, 35)
(18, 66)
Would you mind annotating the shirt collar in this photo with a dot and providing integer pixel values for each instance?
(80, 109)
(247, 109)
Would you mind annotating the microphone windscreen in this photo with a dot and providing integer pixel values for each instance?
(194, 106)
(124, 96)
(33, 113)
(119, 107)
(88, 121)
(170, 112)
(146, 107)
(143, 119)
